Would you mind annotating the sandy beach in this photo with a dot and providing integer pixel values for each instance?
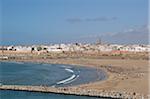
(124, 75)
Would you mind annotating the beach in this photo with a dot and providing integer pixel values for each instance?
(124, 75)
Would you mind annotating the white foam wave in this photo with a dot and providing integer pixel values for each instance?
(72, 80)
(69, 70)
(67, 80)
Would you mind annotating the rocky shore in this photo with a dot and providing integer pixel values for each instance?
(74, 91)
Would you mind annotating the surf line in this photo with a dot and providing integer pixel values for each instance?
(70, 79)
(69, 70)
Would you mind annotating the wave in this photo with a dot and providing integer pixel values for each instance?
(72, 80)
(69, 70)
(67, 80)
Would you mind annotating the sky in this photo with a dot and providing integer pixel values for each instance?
(25, 22)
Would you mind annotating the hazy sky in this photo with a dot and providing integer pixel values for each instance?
(56, 21)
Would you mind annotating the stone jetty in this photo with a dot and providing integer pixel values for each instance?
(73, 91)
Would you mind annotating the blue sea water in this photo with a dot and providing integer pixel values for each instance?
(19, 73)
(37, 95)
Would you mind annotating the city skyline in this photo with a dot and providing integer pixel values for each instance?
(57, 21)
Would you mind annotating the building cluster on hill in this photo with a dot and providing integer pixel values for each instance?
(78, 47)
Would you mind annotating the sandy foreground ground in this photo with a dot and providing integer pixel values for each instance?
(123, 74)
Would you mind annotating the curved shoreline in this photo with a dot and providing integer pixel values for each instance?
(74, 74)
(53, 89)
(112, 73)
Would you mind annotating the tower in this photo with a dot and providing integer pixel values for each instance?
(98, 41)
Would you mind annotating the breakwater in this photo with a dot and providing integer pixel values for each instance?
(72, 91)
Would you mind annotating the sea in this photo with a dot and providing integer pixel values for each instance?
(37, 74)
